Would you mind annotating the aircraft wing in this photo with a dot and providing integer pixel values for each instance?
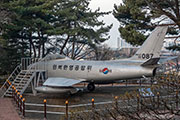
(60, 82)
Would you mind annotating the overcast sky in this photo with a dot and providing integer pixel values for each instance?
(108, 5)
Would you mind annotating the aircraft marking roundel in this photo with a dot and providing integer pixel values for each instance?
(105, 70)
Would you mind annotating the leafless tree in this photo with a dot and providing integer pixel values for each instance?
(163, 104)
(103, 52)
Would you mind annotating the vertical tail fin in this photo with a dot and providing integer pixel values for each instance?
(152, 46)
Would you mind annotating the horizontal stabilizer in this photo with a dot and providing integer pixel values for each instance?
(164, 60)
(155, 61)
(60, 82)
(152, 61)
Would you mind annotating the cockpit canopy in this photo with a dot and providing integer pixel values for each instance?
(54, 57)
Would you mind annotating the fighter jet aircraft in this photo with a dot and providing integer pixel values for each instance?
(63, 72)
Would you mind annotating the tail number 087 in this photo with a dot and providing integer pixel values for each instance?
(145, 55)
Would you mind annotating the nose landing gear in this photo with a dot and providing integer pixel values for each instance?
(91, 87)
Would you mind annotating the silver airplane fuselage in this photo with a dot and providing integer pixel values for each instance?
(98, 71)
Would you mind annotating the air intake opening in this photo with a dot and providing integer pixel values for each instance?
(154, 72)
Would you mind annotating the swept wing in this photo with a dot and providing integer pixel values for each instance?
(60, 82)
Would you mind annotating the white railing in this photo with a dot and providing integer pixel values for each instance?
(87, 107)
(29, 65)
(12, 75)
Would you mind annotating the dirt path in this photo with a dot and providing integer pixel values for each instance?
(7, 110)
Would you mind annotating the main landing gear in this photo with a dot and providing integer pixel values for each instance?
(91, 86)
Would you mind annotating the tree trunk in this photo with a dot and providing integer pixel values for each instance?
(64, 45)
(22, 49)
(30, 50)
(73, 47)
(32, 44)
(39, 46)
(43, 49)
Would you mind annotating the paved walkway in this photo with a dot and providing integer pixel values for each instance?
(7, 110)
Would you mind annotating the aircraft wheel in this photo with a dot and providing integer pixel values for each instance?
(91, 86)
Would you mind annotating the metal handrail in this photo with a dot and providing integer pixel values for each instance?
(41, 105)
(29, 64)
(19, 66)
(49, 112)
(34, 66)
(30, 68)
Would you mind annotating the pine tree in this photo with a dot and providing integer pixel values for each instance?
(135, 17)
(31, 24)
(77, 24)
(34, 24)
(9, 56)
(69, 20)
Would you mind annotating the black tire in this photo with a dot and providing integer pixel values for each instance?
(91, 87)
